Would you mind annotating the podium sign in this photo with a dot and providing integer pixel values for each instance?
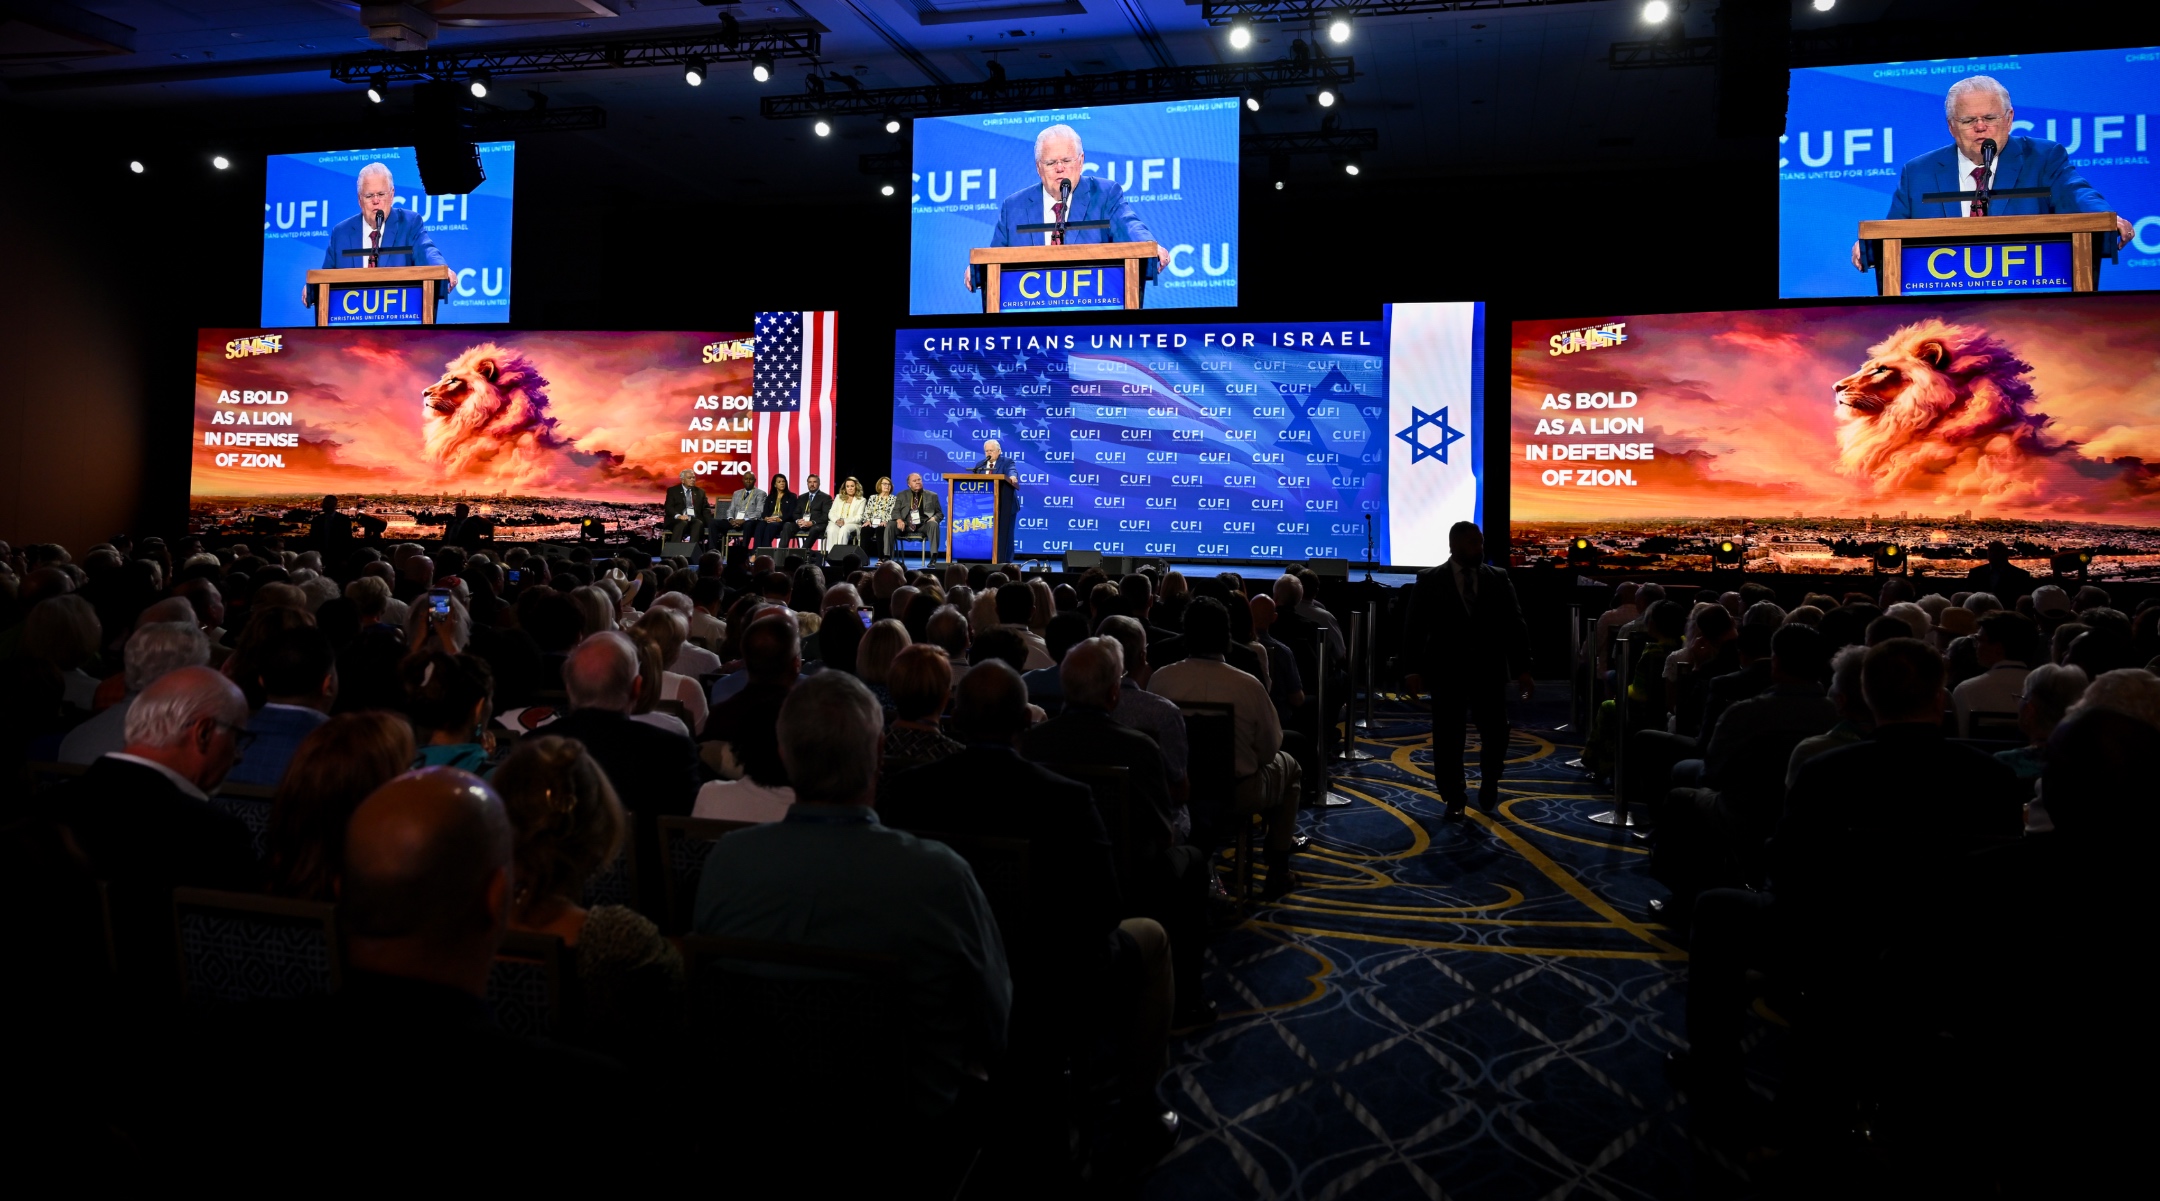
(1982, 266)
(1055, 288)
(972, 535)
(398, 304)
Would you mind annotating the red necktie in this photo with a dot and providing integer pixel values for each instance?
(1057, 236)
(374, 241)
(1979, 178)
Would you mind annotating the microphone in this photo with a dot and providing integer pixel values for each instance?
(1987, 166)
(381, 216)
(1065, 199)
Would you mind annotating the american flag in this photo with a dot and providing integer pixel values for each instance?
(791, 390)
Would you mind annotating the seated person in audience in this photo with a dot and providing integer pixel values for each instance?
(1015, 605)
(1286, 686)
(874, 655)
(1854, 722)
(299, 681)
(920, 683)
(2131, 691)
(569, 827)
(427, 891)
(1758, 624)
(831, 874)
(2006, 646)
(690, 659)
(654, 771)
(744, 724)
(2045, 698)
(1003, 644)
(1268, 777)
(1157, 717)
(141, 818)
(1064, 631)
(338, 766)
(948, 628)
(664, 699)
(450, 699)
(1872, 831)
(153, 651)
(1165, 880)
(1079, 948)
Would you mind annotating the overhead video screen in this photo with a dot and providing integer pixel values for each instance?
(1855, 136)
(1165, 173)
(536, 431)
(1263, 441)
(317, 207)
(1811, 437)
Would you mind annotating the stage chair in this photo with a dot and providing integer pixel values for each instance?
(920, 538)
(241, 947)
(526, 985)
(684, 843)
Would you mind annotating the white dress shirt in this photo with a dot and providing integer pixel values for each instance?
(1050, 214)
(1995, 690)
(1259, 729)
(1965, 180)
(743, 800)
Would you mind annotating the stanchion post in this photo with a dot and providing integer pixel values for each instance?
(1575, 672)
(1372, 627)
(1328, 796)
(1623, 676)
(1360, 641)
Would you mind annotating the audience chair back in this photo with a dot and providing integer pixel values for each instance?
(1112, 787)
(46, 773)
(796, 1026)
(1002, 867)
(253, 812)
(1211, 742)
(684, 844)
(242, 947)
(616, 883)
(527, 985)
(1996, 727)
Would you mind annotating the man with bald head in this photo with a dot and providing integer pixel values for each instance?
(141, 815)
(654, 771)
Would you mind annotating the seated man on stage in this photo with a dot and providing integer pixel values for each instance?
(916, 513)
(1067, 194)
(743, 511)
(1979, 112)
(688, 511)
(777, 521)
(813, 511)
(380, 222)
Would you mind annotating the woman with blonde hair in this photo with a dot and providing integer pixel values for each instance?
(570, 825)
(596, 609)
(874, 656)
(848, 513)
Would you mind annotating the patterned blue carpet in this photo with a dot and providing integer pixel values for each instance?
(1468, 1010)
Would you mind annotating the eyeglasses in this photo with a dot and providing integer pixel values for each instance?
(1969, 122)
(243, 738)
(1067, 161)
(377, 195)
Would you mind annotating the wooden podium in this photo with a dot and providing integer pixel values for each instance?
(975, 513)
(1932, 256)
(1044, 277)
(378, 295)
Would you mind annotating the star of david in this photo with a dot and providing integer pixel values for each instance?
(1419, 419)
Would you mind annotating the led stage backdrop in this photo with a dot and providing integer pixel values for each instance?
(535, 430)
(1177, 163)
(1813, 436)
(306, 195)
(1240, 441)
(1848, 131)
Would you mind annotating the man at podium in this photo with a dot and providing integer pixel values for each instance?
(1067, 194)
(380, 223)
(1983, 150)
(994, 462)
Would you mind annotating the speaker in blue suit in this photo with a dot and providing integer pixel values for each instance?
(400, 227)
(1978, 109)
(1059, 157)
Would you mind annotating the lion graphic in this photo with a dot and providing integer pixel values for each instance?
(488, 417)
(1945, 409)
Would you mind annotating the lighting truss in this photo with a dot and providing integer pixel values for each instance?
(559, 57)
(1311, 141)
(1314, 12)
(1057, 91)
(1663, 52)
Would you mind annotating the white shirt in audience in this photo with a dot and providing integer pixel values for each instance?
(706, 628)
(1995, 690)
(666, 721)
(743, 800)
(685, 689)
(694, 661)
(1259, 729)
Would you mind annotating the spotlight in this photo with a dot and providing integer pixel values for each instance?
(1727, 552)
(1655, 12)
(1580, 552)
(220, 161)
(135, 165)
(1278, 185)
(1890, 557)
(1240, 34)
(761, 67)
(1350, 168)
(892, 123)
(887, 190)
(378, 88)
(1338, 28)
(1823, 6)
(478, 85)
(693, 71)
(2073, 563)
(823, 128)
(1326, 98)
(1253, 98)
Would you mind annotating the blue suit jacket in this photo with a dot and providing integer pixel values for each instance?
(2024, 163)
(1094, 199)
(403, 227)
(278, 733)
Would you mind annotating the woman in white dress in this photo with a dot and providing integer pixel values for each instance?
(847, 515)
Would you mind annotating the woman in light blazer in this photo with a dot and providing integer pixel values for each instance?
(847, 515)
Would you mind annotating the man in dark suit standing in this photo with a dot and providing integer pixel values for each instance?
(1466, 636)
(994, 462)
(654, 770)
(688, 512)
(332, 534)
(142, 817)
(2001, 578)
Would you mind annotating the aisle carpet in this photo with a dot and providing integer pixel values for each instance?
(1472, 1010)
